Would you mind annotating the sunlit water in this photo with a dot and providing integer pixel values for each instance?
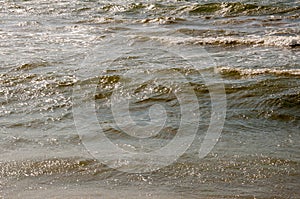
(47, 48)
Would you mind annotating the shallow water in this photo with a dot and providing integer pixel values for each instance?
(58, 58)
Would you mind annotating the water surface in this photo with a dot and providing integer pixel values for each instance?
(44, 48)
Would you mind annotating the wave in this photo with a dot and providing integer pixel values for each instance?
(277, 41)
(233, 9)
(162, 20)
(26, 96)
(260, 71)
(218, 9)
(169, 8)
(30, 66)
(44, 167)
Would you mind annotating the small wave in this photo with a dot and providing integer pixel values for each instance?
(43, 167)
(282, 107)
(29, 66)
(100, 20)
(169, 8)
(219, 9)
(208, 32)
(233, 9)
(162, 20)
(261, 71)
(27, 96)
(277, 41)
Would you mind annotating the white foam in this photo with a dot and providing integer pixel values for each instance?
(278, 41)
(249, 72)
